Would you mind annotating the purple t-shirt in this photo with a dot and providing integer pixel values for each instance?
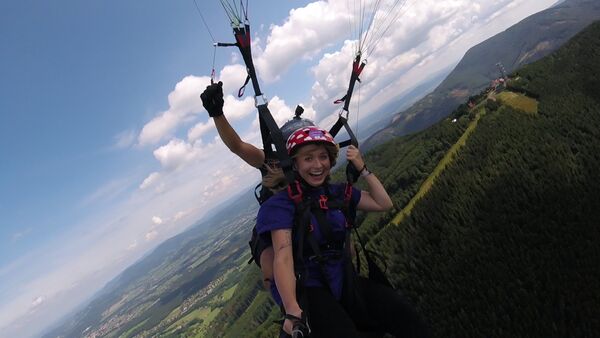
(278, 213)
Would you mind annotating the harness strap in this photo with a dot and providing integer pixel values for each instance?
(271, 135)
(324, 227)
(357, 68)
(243, 88)
(243, 42)
(352, 173)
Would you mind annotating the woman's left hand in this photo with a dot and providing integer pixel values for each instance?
(353, 155)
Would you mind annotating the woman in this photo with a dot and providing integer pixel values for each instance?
(212, 100)
(314, 153)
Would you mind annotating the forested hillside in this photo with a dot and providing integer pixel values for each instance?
(505, 241)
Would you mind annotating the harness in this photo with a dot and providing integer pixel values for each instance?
(305, 245)
(303, 230)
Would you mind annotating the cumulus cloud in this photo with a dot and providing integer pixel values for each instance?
(157, 220)
(234, 110)
(184, 101)
(232, 76)
(281, 113)
(199, 130)
(238, 109)
(280, 110)
(176, 153)
(305, 32)
(422, 30)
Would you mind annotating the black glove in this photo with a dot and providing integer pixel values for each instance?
(212, 99)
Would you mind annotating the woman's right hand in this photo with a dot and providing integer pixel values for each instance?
(288, 325)
(296, 326)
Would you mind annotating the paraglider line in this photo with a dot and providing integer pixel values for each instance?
(235, 21)
(382, 32)
(204, 21)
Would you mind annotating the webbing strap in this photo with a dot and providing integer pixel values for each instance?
(357, 68)
(335, 129)
(324, 226)
(352, 173)
(270, 132)
(271, 135)
(243, 42)
(299, 232)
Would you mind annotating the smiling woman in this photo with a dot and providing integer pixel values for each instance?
(315, 282)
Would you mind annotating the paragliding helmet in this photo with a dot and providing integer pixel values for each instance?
(306, 135)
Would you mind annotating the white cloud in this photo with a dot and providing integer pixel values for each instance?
(423, 31)
(305, 32)
(151, 235)
(238, 109)
(183, 102)
(233, 77)
(281, 113)
(280, 110)
(157, 220)
(234, 110)
(150, 180)
(38, 301)
(199, 130)
(176, 153)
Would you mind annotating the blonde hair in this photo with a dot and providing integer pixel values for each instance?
(275, 179)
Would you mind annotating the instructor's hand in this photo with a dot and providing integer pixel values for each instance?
(212, 99)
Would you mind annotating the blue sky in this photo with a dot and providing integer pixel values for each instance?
(106, 150)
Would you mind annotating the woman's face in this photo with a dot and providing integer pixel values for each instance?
(313, 164)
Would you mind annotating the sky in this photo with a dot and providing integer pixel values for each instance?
(106, 150)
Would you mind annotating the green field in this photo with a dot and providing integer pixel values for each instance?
(519, 102)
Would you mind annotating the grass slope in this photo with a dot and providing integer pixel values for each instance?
(446, 160)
